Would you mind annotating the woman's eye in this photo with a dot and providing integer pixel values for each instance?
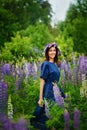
(52, 50)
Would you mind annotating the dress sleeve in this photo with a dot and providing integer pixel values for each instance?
(44, 71)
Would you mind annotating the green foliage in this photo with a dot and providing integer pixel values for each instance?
(76, 28)
(18, 47)
(19, 14)
(76, 31)
(8, 26)
(40, 35)
(56, 120)
(71, 33)
(76, 10)
(27, 43)
(23, 97)
(65, 43)
(79, 35)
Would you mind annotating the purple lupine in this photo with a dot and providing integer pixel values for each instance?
(67, 67)
(66, 120)
(16, 86)
(63, 78)
(86, 65)
(21, 124)
(47, 109)
(62, 65)
(34, 70)
(6, 69)
(57, 95)
(29, 68)
(25, 70)
(3, 97)
(73, 59)
(1, 103)
(2, 68)
(6, 123)
(12, 68)
(76, 119)
(75, 75)
(81, 64)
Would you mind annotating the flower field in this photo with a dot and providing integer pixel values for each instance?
(19, 90)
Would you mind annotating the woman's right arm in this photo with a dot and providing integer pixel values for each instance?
(40, 102)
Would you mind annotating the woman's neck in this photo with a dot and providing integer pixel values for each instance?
(51, 60)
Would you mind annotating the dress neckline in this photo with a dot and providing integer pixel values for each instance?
(51, 62)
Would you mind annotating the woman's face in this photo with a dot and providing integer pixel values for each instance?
(52, 53)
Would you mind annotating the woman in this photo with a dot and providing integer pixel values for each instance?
(49, 73)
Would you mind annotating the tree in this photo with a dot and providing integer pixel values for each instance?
(29, 11)
(27, 43)
(79, 35)
(78, 9)
(19, 14)
(74, 26)
(8, 26)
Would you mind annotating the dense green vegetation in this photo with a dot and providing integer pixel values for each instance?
(26, 24)
(19, 14)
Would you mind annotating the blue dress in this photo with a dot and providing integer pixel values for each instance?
(50, 73)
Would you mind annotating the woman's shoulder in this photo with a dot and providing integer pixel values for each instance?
(45, 63)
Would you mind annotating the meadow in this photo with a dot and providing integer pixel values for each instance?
(19, 90)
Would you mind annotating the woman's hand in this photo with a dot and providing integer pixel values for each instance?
(40, 102)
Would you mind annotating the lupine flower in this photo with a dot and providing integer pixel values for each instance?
(3, 97)
(29, 68)
(57, 95)
(75, 75)
(25, 70)
(73, 59)
(47, 109)
(79, 78)
(62, 66)
(10, 108)
(21, 124)
(76, 119)
(1, 103)
(12, 68)
(67, 67)
(83, 89)
(6, 69)
(81, 64)
(63, 78)
(16, 86)
(6, 123)
(86, 65)
(66, 120)
(34, 70)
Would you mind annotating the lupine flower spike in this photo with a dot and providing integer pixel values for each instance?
(57, 95)
(67, 120)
